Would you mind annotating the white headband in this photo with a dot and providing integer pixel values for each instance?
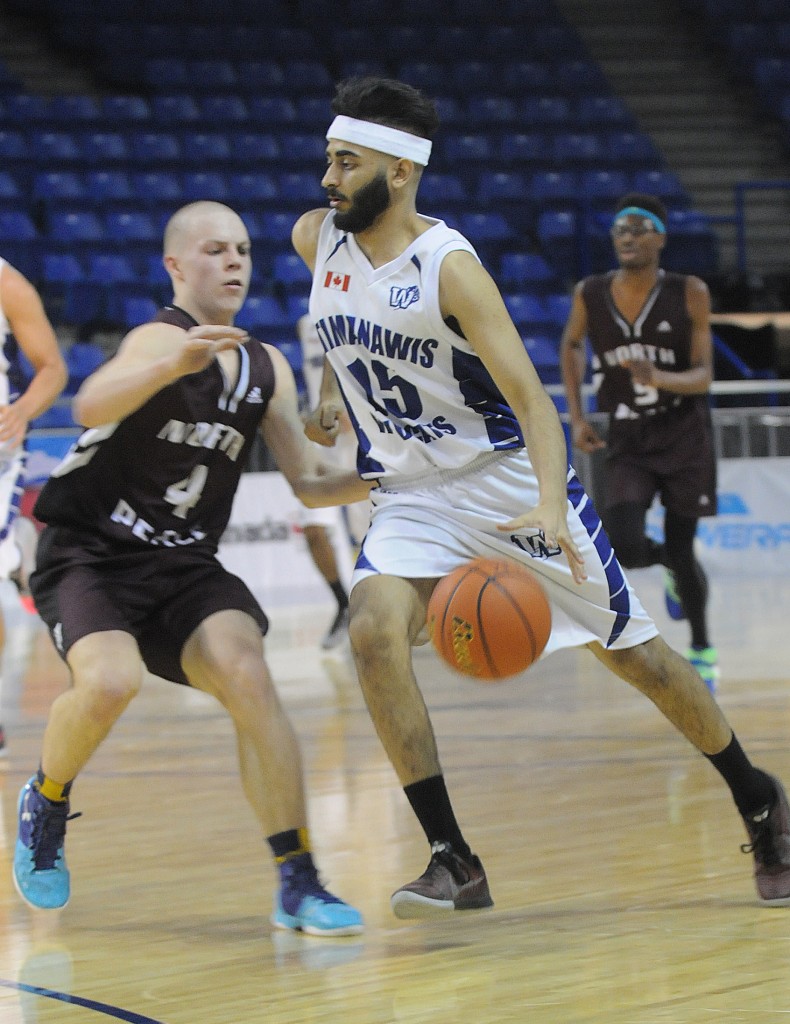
(381, 137)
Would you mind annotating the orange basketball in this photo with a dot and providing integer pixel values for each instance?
(489, 618)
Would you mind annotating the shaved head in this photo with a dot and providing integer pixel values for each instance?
(203, 219)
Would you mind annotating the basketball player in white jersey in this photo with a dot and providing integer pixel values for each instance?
(22, 317)
(330, 531)
(470, 459)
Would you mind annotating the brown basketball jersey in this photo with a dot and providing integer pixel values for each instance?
(166, 475)
(661, 333)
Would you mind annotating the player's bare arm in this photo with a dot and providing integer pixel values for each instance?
(36, 338)
(573, 364)
(313, 483)
(468, 293)
(304, 235)
(149, 358)
(697, 379)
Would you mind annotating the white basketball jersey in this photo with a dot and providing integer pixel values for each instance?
(418, 396)
(5, 330)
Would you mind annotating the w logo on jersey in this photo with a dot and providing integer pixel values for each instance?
(402, 298)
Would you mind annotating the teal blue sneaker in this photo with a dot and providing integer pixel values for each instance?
(303, 904)
(672, 598)
(40, 872)
(706, 661)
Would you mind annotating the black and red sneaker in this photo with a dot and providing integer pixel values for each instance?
(450, 882)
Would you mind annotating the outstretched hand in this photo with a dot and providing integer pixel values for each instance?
(586, 438)
(553, 525)
(203, 343)
(324, 423)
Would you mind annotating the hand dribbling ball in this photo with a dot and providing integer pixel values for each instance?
(489, 619)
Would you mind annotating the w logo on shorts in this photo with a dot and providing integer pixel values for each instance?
(535, 545)
(402, 298)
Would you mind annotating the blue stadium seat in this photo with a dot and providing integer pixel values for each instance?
(297, 305)
(577, 149)
(524, 77)
(126, 109)
(176, 108)
(82, 358)
(526, 311)
(166, 74)
(464, 77)
(224, 109)
(545, 356)
(103, 148)
(211, 75)
(524, 148)
(57, 417)
(57, 186)
(631, 148)
(601, 189)
(314, 112)
(558, 307)
(426, 75)
(663, 184)
(261, 312)
(131, 226)
(546, 112)
(304, 148)
(450, 111)
(494, 187)
(205, 185)
(155, 147)
(259, 76)
(155, 274)
(557, 233)
(108, 186)
(9, 187)
(300, 187)
(491, 112)
(138, 309)
(28, 108)
(61, 268)
(442, 188)
(579, 77)
(291, 272)
(13, 146)
(272, 111)
(66, 109)
(602, 113)
(307, 76)
(519, 270)
(254, 147)
(53, 148)
(256, 186)
(74, 226)
(276, 227)
(460, 149)
(156, 186)
(554, 187)
(107, 268)
(484, 227)
(205, 148)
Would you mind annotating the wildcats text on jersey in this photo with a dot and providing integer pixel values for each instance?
(350, 330)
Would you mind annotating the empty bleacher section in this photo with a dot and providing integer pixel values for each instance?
(194, 101)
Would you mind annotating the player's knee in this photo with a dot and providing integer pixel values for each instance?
(373, 636)
(244, 687)
(109, 688)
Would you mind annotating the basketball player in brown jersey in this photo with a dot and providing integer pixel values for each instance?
(127, 579)
(652, 359)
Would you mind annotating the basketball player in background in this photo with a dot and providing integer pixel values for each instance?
(326, 529)
(127, 578)
(470, 459)
(652, 368)
(22, 316)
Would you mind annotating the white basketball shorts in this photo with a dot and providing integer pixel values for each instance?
(427, 527)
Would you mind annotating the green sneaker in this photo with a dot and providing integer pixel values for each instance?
(706, 661)
(672, 598)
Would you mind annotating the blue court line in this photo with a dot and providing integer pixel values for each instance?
(89, 1004)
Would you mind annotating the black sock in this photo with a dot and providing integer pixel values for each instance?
(752, 788)
(431, 803)
(340, 594)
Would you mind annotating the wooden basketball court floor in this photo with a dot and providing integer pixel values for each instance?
(612, 849)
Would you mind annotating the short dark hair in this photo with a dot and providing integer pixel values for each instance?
(387, 101)
(650, 203)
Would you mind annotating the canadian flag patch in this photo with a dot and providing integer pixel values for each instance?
(339, 282)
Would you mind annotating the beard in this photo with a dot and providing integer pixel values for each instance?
(367, 205)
